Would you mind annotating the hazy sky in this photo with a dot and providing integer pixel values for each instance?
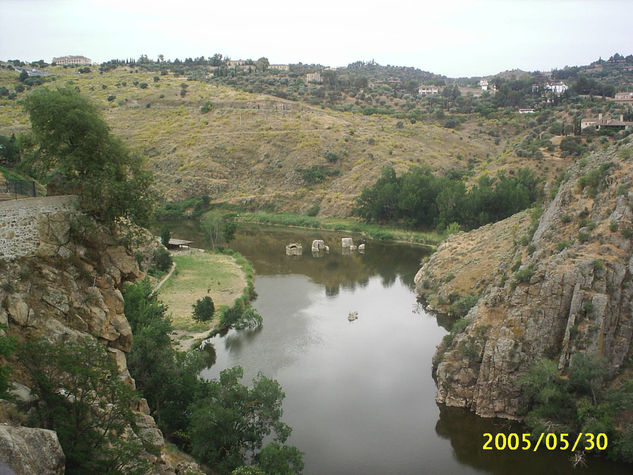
(451, 37)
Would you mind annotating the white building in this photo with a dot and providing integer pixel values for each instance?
(72, 60)
(314, 77)
(557, 88)
(428, 90)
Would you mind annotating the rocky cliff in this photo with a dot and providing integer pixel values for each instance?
(552, 287)
(66, 289)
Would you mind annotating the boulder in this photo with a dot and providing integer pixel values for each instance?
(347, 243)
(29, 451)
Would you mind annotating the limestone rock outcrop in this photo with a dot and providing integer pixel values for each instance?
(29, 451)
(563, 287)
(67, 287)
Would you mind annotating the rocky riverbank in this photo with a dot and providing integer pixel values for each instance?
(553, 287)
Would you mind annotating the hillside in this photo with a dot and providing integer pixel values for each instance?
(254, 149)
(557, 287)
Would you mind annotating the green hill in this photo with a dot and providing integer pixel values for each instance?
(263, 151)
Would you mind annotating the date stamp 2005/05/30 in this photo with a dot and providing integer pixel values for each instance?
(548, 441)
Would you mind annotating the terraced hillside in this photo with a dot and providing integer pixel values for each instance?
(260, 150)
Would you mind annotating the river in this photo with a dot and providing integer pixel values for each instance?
(359, 395)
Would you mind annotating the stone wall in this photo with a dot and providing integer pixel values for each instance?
(18, 222)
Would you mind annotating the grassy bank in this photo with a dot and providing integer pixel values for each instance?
(223, 277)
(370, 231)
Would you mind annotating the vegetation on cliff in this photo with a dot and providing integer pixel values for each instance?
(549, 339)
(84, 400)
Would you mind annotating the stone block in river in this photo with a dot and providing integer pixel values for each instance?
(294, 249)
(347, 242)
(318, 245)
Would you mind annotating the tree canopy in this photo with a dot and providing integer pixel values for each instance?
(75, 141)
(421, 199)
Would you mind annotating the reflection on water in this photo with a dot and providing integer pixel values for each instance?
(359, 395)
(464, 430)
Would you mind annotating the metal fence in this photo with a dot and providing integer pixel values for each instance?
(22, 188)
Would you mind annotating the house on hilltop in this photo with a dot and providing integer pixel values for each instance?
(624, 97)
(72, 61)
(605, 123)
(314, 77)
(428, 90)
(279, 67)
(557, 88)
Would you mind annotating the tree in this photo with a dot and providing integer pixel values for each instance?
(83, 399)
(219, 228)
(262, 64)
(75, 140)
(280, 459)
(168, 379)
(165, 236)
(229, 424)
(203, 309)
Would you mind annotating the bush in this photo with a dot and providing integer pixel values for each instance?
(331, 157)
(313, 210)
(206, 107)
(462, 305)
(165, 236)
(525, 274)
(162, 259)
(203, 309)
(562, 245)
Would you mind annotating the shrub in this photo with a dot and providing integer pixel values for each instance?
(203, 309)
(313, 210)
(462, 305)
(162, 259)
(583, 237)
(562, 245)
(143, 85)
(331, 157)
(525, 274)
(206, 107)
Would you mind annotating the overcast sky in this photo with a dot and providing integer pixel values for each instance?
(450, 37)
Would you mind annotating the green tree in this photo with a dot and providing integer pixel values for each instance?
(203, 309)
(262, 64)
(280, 459)
(85, 401)
(168, 379)
(75, 140)
(228, 233)
(165, 236)
(229, 423)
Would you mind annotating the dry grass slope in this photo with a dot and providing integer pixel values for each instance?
(250, 149)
